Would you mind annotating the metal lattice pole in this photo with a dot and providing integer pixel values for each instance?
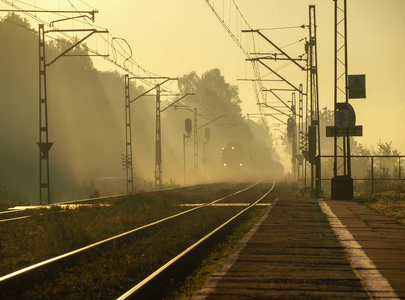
(314, 96)
(195, 146)
(342, 184)
(127, 160)
(44, 144)
(158, 149)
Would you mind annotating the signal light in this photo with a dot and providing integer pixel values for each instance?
(290, 127)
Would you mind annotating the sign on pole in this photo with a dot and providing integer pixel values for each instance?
(340, 131)
(342, 118)
(357, 86)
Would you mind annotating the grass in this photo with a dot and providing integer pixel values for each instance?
(118, 267)
(4, 205)
(51, 232)
(391, 204)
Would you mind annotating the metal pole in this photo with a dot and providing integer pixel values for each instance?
(335, 89)
(313, 58)
(204, 158)
(195, 146)
(184, 157)
(342, 185)
(372, 175)
(318, 176)
(158, 147)
(128, 136)
(44, 145)
(307, 115)
(294, 152)
(349, 167)
(311, 90)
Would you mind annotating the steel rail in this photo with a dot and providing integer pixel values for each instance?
(48, 262)
(137, 288)
(13, 211)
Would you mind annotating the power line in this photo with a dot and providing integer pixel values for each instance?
(122, 58)
(287, 27)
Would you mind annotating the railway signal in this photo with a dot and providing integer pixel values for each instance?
(290, 128)
(188, 128)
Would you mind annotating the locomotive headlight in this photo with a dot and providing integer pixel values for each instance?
(224, 165)
(241, 165)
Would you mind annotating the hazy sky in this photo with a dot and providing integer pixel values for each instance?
(175, 37)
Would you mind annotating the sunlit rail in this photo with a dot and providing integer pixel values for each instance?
(148, 282)
(27, 274)
(23, 210)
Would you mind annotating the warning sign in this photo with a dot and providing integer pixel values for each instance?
(357, 86)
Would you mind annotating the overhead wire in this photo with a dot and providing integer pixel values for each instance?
(122, 57)
(285, 27)
(88, 5)
(127, 57)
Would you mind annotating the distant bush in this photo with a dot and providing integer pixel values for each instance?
(86, 189)
(11, 195)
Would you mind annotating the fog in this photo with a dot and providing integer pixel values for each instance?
(86, 114)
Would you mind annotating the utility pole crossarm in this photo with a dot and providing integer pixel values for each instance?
(182, 97)
(151, 89)
(281, 121)
(278, 75)
(71, 18)
(223, 116)
(275, 95)
(90, 12)
(275, 46)
(75, 44)
(272, 107)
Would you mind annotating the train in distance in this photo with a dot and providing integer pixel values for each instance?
(239, 163)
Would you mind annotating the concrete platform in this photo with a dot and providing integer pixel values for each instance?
(293, 253)
(381, 238)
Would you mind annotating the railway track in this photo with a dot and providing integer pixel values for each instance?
(36, 279)
(24, 212)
